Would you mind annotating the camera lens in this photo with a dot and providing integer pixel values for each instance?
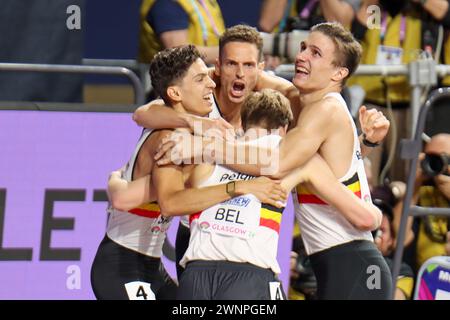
(433, 165)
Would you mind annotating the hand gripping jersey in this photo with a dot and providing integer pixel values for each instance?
(322, 226)
(241, 229)
(141, 229)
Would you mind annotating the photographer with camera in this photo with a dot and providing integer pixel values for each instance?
(284, 24)
(427, 236)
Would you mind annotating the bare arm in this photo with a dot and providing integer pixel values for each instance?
(175, 200)
(177, 38)
(297, 147)
(157, 115)
(338, 10)
(125, 195)
(361, 215)
(374, 125)
(272, 12)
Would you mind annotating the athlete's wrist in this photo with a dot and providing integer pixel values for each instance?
(369, 143)
(240, 188)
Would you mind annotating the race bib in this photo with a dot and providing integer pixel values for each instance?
(237, 217)
(139, 290)
(389, 55)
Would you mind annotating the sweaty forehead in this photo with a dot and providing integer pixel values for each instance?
(240, 51)
(321, 41)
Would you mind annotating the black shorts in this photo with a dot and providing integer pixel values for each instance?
(181, 245)
(119, 273)
(352, 271)
(224, 280)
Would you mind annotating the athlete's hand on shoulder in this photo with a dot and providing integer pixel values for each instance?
(374, 124)
(211, 127)
(266, 190)
(180, 147)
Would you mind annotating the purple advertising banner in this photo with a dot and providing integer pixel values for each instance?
(54, 169)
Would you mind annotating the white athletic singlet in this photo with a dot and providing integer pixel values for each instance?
(141, 229)
(321, 225)
(240, 229)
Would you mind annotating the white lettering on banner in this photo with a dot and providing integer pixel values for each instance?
(444, 276)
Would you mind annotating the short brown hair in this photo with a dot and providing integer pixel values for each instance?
(241, 33)
(348, 51)
(267, 108)
(170, 66)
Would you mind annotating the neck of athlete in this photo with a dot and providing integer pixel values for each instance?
(230, 111)
(310, 97)
(178, 106)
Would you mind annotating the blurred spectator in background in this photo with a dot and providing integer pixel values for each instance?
(302, 284)
(287, 15)
(426, 236)
(49, 32)
(240, 12)
(407, 30)
(166, 24)
(384, 199)
(301, 15)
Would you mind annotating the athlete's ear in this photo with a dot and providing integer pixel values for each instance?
(217, 67)
(173, 92)
(261, 65)
(340, 74)
(283, 130)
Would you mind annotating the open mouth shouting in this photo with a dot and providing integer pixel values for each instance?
(238, 88)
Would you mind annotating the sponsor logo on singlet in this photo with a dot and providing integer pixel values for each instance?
(238, 201)
(156, 229)
(204, 225)
(235, 176)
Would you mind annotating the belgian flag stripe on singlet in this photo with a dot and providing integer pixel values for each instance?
(305, 196)
(149, 210)
(270, 217)
(194, 216)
